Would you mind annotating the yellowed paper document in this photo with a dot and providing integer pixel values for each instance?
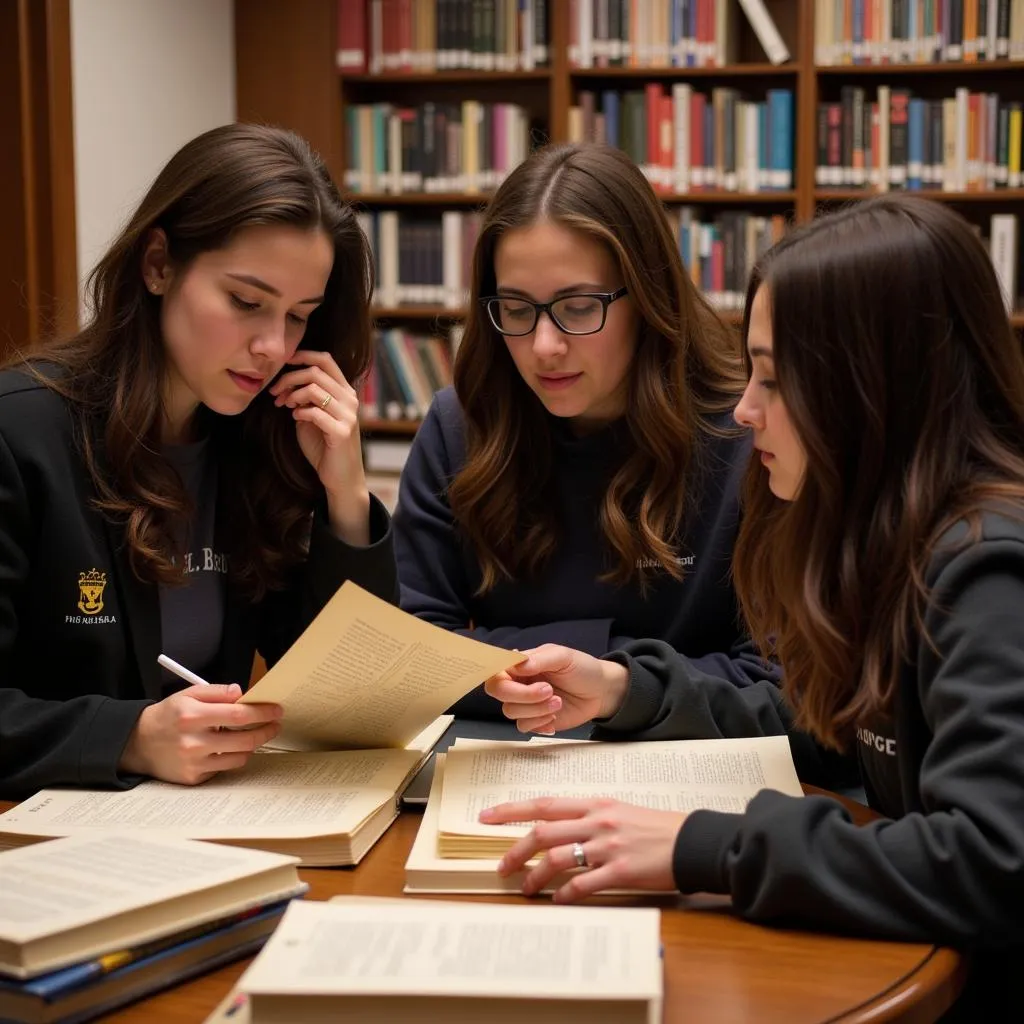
(366, 674)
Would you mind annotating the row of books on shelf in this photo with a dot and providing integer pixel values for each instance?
(434, 147)
(916, 31)
(666, 33)
(421, 257)
(969, 142)
(686, 141)
(424, 259)
(408, 368)
(720, 254)
(379, 36)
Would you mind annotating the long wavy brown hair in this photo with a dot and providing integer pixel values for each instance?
(904, 381)
(685, 370)
(231, 178)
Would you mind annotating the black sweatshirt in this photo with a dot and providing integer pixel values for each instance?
(568, 604)
(80, 633)
(947, 767)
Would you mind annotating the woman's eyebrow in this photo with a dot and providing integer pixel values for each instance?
(270, 289)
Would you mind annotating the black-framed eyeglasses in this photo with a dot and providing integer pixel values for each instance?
(581, 313)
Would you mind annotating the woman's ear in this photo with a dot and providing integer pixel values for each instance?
(156, 262)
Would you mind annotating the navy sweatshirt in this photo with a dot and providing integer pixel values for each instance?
(568, 604)
(947, 767)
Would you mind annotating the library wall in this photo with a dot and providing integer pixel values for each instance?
(148, 75)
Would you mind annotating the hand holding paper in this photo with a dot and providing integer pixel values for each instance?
(367, 674)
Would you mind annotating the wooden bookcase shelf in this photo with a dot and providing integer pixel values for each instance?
(464, 76)
(767, 197)
(395, 428)
(977, 69)
(995, 195)
(749, 70)
(434, 199)
(417, 313)
(307, 93)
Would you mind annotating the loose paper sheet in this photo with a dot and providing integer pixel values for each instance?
(366, 674)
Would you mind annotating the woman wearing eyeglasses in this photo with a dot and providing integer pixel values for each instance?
(579, 483)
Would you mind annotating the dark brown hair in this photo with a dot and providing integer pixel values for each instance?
(685, 370)
(902, 377)
(234, 177)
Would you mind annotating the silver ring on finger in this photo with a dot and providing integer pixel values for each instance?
(579, 855)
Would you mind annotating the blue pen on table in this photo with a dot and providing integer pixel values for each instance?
(180, 671)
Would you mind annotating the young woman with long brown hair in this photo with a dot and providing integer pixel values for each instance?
(579, 484)
(184, 475)
(881, 559)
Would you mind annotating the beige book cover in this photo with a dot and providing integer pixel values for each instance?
(326, 808)
(81, 897)
(424, 960)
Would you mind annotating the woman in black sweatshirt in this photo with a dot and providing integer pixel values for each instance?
(881, 559)
(184, 474)
(580, 483)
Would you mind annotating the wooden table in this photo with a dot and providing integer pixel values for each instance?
(717, 968)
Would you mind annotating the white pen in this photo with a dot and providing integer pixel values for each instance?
(180, 671)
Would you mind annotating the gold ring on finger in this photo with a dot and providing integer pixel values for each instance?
(326, 402)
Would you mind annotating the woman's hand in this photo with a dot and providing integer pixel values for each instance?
(195, 733)
(624, 846)
(325, 409)
(559, 688)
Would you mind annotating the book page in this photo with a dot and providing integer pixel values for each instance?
(61, 885)
(423, 741)
(678, 775)
(366, 674)
(273, 796)
(427, 947)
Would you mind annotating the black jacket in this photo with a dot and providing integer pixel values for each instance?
(569, 604)
(79, 633)
(947, 769)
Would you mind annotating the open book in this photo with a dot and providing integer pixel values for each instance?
(413, 960)
(326, 808)
(362, 690)
(73, 899)
(455, 853)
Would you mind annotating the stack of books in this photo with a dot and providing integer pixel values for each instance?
(455, 853)
(93, 922)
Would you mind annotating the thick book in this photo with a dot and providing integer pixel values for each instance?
(362, 690)
(455, 853)
(327, 808)
(94, 987)
(420, 960)
(74, 899)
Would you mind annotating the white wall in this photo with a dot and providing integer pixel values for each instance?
(147, 75)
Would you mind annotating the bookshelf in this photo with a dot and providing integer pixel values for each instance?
(287, 74)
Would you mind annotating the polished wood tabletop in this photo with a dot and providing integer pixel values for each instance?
(717, 967)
